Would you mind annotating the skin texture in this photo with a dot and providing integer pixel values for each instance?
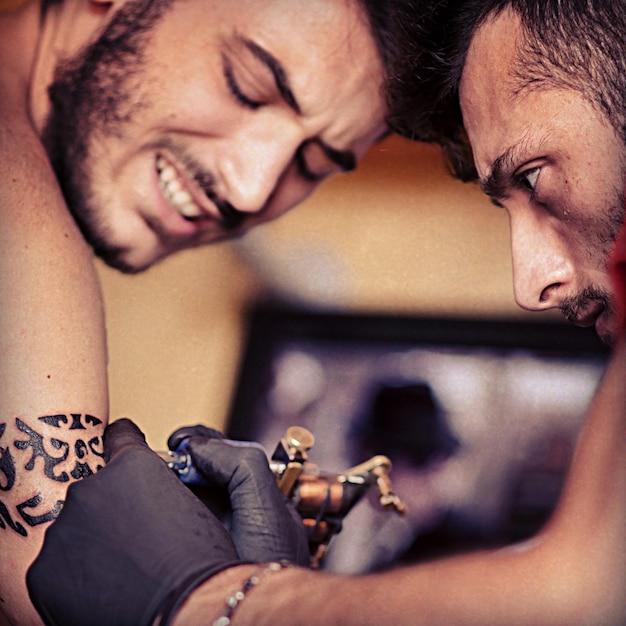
(572, 573)
(195, 87)
(562, 175)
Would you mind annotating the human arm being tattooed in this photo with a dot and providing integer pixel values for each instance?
(78, 451)
(134, 541)
(53, 394)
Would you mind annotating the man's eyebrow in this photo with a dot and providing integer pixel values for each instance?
(345, 159)
(497, 184)
(276, 68)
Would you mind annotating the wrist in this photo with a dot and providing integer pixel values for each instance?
(206, 602)
(272, 603)
(179, 594)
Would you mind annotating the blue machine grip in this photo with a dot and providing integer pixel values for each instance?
(182, 462)
(184, 467)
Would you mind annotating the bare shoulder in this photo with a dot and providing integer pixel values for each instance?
(39, 239)
(26, 174)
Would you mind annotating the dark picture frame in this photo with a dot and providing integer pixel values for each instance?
(479, 417)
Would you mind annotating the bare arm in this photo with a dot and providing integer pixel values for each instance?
(574, 572)
(53, 400)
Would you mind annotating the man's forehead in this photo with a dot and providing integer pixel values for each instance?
(314, 40)
(490, 62)
(487, 88)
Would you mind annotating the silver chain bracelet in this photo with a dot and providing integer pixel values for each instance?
(234, 600)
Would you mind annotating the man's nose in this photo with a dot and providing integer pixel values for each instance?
(256, 164)
(542, 269)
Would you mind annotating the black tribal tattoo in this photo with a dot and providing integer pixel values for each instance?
(85, 452)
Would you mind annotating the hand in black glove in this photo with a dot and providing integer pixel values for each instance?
(130, 542)
(261, 520)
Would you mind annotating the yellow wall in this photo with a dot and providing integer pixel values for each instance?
(398, 235)
(175, 336)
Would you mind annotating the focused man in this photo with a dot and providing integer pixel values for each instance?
(538, 89)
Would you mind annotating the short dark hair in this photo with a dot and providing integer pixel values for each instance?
(385, 19)
(571, 44)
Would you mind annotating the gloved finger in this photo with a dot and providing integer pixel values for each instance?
(120, 435)
(221, 461)
(213, 493)
(199, 430)
(264, 525)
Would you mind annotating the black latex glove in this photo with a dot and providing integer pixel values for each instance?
(130, 542)
(262, 521)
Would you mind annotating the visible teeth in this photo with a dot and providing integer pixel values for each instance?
(168, 174)
(189, 210)
(174, 185)
(173, 190)
(180, 197)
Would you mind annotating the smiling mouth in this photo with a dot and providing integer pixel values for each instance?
(175, 192)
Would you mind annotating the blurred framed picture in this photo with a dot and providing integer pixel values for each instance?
(479, 418)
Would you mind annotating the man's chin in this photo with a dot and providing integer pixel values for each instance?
(123, 260)
(606, 328)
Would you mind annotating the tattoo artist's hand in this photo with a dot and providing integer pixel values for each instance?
(262, 521)
(130, 542)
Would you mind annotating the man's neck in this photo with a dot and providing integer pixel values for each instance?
(20, 35)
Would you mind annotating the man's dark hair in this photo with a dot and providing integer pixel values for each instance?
(385, 19)
(569, 44)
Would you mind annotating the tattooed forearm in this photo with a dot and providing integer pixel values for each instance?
(7, 521)
(34, 520)
(75, 451)
(7, 465)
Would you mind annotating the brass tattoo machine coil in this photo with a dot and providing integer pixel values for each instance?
(323, 499)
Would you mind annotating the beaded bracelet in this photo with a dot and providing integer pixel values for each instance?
(234, 600)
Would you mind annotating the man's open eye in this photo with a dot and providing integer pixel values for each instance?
(529, 178)
(235, 89)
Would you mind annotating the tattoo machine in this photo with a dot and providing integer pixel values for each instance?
(323, 499)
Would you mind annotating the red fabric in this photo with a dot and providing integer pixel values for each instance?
(618, 272)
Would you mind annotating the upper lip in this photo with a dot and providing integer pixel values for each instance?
(592, 310)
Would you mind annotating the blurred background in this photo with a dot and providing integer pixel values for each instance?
(398, 236)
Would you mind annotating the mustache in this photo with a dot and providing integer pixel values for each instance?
(232, 218)
(572, 307)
